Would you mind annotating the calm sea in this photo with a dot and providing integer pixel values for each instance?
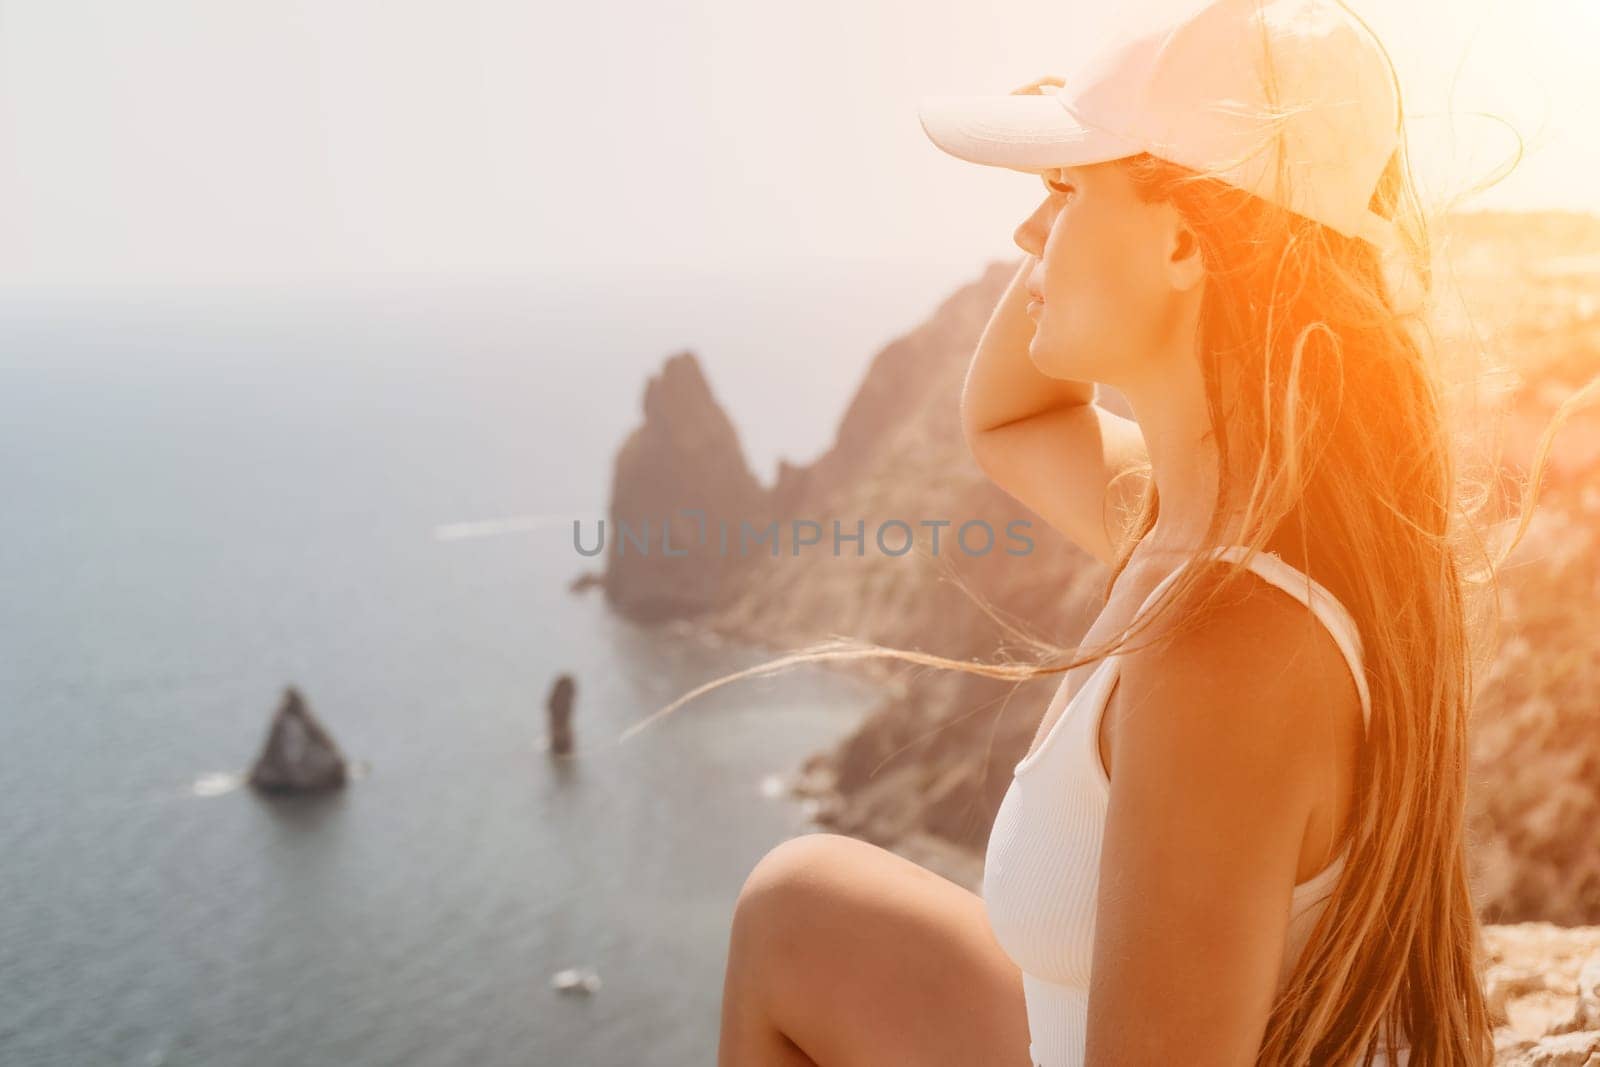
(209, 496)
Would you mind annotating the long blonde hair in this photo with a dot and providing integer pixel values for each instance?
(1323, 382)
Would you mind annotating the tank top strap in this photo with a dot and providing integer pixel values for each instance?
(1304, 588)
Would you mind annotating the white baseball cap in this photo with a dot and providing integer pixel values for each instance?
(1236, 89)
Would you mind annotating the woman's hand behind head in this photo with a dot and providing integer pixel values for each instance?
(1036, 87)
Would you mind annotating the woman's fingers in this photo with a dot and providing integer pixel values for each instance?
(1036, 87)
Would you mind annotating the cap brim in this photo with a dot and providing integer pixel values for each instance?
(1021, 131)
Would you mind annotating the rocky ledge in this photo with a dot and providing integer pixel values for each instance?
(1543, 983)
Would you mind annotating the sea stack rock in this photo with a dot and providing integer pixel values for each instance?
(680, 490)
(560, 714)
(300, 756)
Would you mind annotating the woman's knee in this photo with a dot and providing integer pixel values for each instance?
(792, 876)
(787, 895)
(790, 864)
(828, 925)
(789, 903)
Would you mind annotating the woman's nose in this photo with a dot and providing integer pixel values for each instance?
(1035, 228)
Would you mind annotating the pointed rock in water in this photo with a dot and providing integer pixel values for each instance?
(300, 756)
(559, 711)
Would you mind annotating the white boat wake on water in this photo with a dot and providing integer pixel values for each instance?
(217, 783)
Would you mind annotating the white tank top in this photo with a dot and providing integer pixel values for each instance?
(1042, 868)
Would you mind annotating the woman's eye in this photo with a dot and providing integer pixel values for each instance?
(1056, 185)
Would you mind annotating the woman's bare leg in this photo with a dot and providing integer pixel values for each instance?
(843, 954)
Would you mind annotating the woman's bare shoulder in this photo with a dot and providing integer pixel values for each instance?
(1241, 682)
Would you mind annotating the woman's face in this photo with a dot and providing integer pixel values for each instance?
(1113, 273)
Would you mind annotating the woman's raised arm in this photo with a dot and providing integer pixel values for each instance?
(1044, 440)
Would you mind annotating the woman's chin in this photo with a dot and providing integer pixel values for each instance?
(1051, 362)
(1040, 356)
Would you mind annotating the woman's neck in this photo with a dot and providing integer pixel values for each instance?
(1184, 461)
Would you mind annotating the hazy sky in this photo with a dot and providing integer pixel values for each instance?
(192, 141)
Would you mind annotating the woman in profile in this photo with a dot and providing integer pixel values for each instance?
(1238, 834)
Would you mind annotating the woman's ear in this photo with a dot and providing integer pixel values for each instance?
(1185, 267)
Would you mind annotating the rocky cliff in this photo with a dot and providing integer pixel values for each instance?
(674, 476)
